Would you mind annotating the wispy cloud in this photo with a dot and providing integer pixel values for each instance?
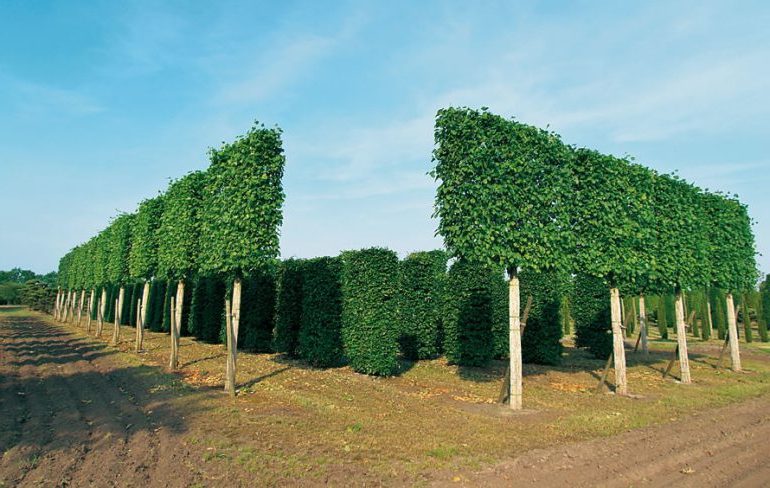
(30, 99)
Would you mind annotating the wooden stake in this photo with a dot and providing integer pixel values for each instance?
(230, 367)
(605, 374)
(732, 334)
(80, 305)
(102, 313)
(177, 322)
(722, 352)
(90, 307)
(139, 326)
(681, 339)
(672, 361)
(708, 310)
(643, 325)
(116, 328)
(505, 389)
(145, 301)
(174, 359)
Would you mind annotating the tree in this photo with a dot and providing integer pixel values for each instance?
(242, 211)
(501, 201)
(119, 246)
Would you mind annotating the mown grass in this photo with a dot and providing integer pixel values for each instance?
(290, 421)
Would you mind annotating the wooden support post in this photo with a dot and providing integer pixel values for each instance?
(672, 361)
(722, 352)
(230, 367)
(681, 339)
(116, 328)
(505, 390)
(643, 325)
(618, 344)
(145, 301)
(102, 313)
(732, 334)
(139, 326)
(708, 310)
(176, 312)
(605, 374)
(80, 305)
(173, 362)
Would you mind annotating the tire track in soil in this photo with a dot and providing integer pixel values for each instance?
(88, 422)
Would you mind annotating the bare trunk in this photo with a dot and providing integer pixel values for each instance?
(643, 325)
(176, 324)
(681, 339)
(618, 344)
(57, 306)
(139, 326)
(514, 341)
(90, 307)
(145, 301)
(66, 307)
(732, 331)
(623, 316)
(102, 312)
(708, 310)
(232, 344)
(80, 305)
(118, 316)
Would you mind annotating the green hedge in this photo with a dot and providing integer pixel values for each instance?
(421, 286)
(370, 291)
(207, 306)
(719, 311)
(500, 320)
(591, 312)
(468, 314)
(257, 312)
(540, 340)
(157, 301)
(663, 319)
(320, 339)
(288, 314)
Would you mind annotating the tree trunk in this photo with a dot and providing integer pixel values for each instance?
(118, 315)
(80, 305)
(175, 322)
(232, 343)
(229, 375)
(623, 317)
(66, 307)
(174, 358)
(708, 310)
(139, 326)
(732, 331)
(145, 301)
(56, 306)
(102, 312)
(90, 307)
(618, 344)
(681, 339)
(515, 400)
(643, 325)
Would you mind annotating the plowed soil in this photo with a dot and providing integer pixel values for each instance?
(76, 412)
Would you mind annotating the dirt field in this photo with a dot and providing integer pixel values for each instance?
(76, 412)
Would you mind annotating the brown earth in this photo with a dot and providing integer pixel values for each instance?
(75, 412)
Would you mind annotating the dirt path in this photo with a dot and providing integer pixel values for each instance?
(725, 447)
(72, 417)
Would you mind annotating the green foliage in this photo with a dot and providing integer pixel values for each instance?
(591, 312)
(320, 339)
(612, 219)
(257, 312)
(500, 320)
(731, 253)
(119, 245)
(10, 293)
(502, 190)
(207, 308)
(420, 301)
(143, 256)
(663, 317)
(36, 294)
(370, 291)
(165, 324)
(745, 317)
(288, 317)
(242, 204)
(763, 310)
(540, 340)
(180, 227)
(468, 314)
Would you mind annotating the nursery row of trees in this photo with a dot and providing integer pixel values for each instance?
(516, 197)
(222, 222)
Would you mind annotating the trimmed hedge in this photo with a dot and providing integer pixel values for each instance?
(540, 340)
(370, 291)
(207, 308)
(591, 312)
(718, 311)
(257, 312)
(468, 314)
(320, 334)
(157, 302)
(500, 320)
(288, 314)
(421, 286)
(662, 317)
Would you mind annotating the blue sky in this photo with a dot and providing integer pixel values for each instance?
(102, 102)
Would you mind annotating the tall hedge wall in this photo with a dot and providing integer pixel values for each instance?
(468, 314)
(257, 312)
(288, 313)
(591, 312)
(540, 340)
(320, 337)
(207, 308)
(370, 291)
(421, 286)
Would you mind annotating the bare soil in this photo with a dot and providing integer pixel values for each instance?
(76, 412)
